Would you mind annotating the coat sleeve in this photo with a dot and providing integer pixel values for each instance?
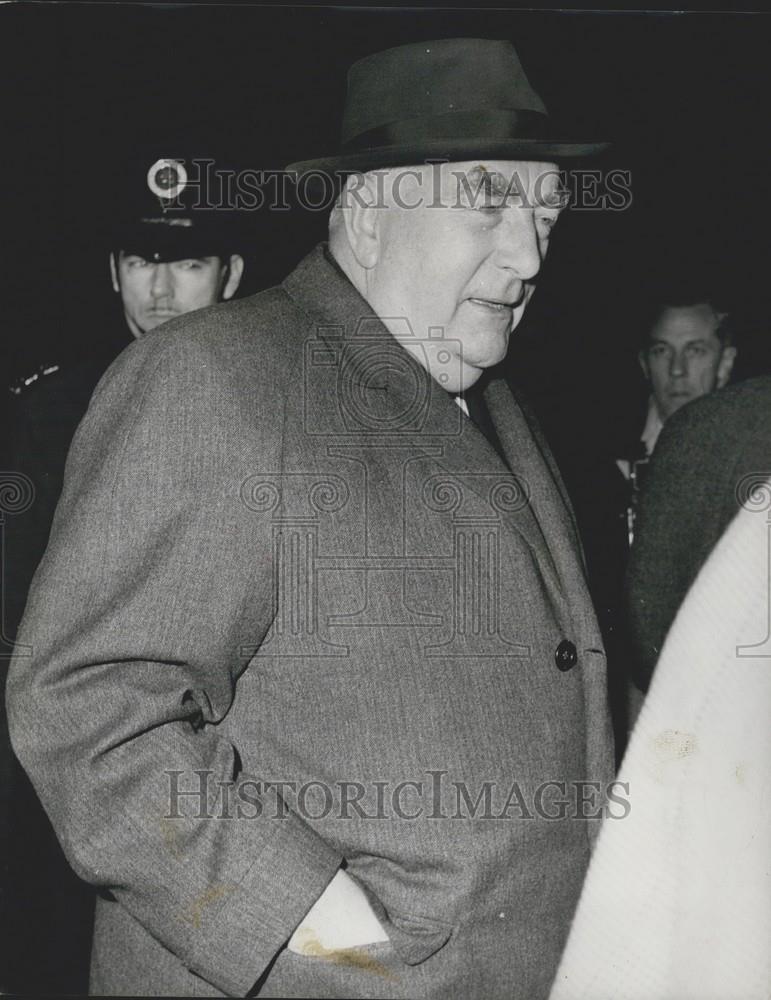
(156, 580)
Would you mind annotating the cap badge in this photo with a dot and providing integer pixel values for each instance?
(167, 179)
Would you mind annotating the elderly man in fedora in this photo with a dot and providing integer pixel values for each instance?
(315, 694)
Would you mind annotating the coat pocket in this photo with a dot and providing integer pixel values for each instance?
(414, 938)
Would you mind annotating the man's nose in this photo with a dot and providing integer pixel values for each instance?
(677, 364)
(518, 248)
(162, 284)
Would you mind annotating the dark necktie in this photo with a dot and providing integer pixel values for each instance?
(477, 410)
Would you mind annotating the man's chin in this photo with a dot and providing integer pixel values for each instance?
(468, 376)
(155, 320)
(677, 404)
(490, 359)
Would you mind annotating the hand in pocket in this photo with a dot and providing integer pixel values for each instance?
(340, 918)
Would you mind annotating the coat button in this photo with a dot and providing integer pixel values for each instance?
(566, 656)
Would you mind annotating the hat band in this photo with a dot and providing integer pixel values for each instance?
(490, 125)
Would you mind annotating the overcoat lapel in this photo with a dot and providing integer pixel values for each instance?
(526, 449)
(443, 434)
(470, 452)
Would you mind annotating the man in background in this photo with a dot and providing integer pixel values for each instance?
(175, 256)
(687, 353)
(168, 255)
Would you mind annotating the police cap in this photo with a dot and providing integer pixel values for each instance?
(173, 208)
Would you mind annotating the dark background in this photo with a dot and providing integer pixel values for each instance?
(683, 97)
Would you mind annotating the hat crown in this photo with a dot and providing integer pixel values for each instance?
(449, 100)
(427, 79)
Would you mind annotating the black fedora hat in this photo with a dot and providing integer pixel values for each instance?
(452, 99)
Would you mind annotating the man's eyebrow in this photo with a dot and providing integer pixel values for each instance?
(698, 339)
(493, 182)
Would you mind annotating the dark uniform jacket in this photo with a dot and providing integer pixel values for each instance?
(44, 412)
(46, 912)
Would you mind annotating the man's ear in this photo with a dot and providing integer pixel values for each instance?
(235, 270)
(643, 362)
(114, 273)
(725, 365)
(360, 217)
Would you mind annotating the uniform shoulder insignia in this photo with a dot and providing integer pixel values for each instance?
(21, 385)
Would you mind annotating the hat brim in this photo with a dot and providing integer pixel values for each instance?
(451, 150)
(165, 243)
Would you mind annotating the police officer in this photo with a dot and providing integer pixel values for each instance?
(172, 248)
(173, 260)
